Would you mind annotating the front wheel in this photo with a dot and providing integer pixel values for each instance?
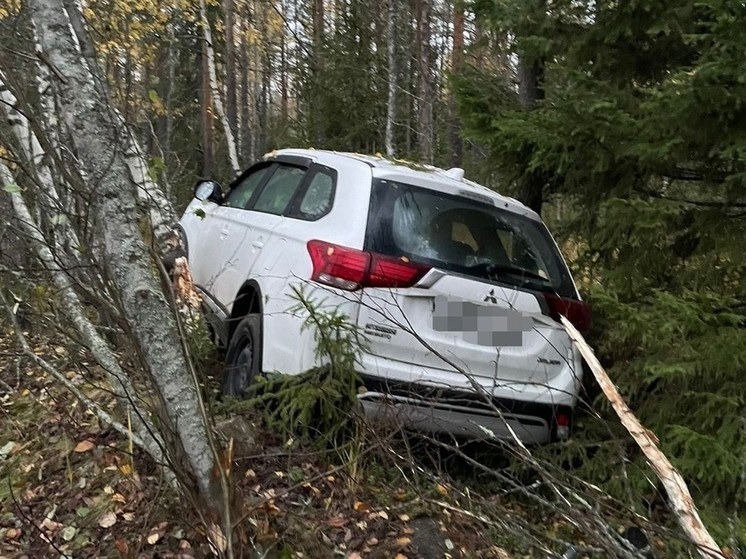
(243, 360)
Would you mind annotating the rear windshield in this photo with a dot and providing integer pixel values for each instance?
(464, 236)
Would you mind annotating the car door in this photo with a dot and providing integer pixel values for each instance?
(218, 234)
(253, 250)
(285, 260)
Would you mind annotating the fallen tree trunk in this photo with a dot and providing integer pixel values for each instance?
(681, 502)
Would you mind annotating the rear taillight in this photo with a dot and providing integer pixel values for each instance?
(394, 272)
(562, 420)
(577, 312)
(351, 269)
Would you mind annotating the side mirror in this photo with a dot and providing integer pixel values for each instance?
(208, 190)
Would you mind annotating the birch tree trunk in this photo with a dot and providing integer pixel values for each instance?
(37, 162)
(151, 198)
(99, 141)
(215, 90)
(230, 69)
(72, 308)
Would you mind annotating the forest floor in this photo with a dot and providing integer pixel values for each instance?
(72, 488)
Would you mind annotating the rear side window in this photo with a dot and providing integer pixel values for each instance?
(465, 236)
(279, 190)
(317, 200)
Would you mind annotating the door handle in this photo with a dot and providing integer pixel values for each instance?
(224, 231)
(257, 244)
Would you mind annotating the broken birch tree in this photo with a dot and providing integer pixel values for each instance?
(681, 502)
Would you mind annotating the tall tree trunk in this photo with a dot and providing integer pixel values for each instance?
(230, 67)
(425, 88)
(318, 26)
(208, 143)
(246, 145)
(318, 63)
(96, 133)
(283, 81)
(214, 88)
(457, 61)
(530, 91)
(391, 104)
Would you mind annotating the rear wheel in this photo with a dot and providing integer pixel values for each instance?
(243, 359)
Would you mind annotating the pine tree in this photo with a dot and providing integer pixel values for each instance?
(642, 132)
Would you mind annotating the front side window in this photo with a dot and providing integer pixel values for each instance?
(466, 236)
(241, 193)
(279, 190)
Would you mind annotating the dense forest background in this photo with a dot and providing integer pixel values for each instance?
(622, 123)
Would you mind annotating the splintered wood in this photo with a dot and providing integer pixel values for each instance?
(184, 285)
(680, 499)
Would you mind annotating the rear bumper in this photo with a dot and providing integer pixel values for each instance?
(460, 413)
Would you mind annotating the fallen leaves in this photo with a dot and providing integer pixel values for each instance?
(84, 446)
(156, 533)
(337, 521)
(12, 534)
(7, 449)
(107, 520)
(68, 533)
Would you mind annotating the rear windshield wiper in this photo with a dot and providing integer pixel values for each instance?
(492, 271)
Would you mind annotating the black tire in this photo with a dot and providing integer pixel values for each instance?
(243, 360)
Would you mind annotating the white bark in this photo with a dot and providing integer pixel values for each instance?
(214, 88)
(159, 208)
(35, 155)
(680, 499)
(72, 308)
(160, 211)
(97, 134)
(391, 105)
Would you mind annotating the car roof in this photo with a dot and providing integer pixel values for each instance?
(448, 181)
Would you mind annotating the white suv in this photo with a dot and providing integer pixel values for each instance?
(457, 289)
